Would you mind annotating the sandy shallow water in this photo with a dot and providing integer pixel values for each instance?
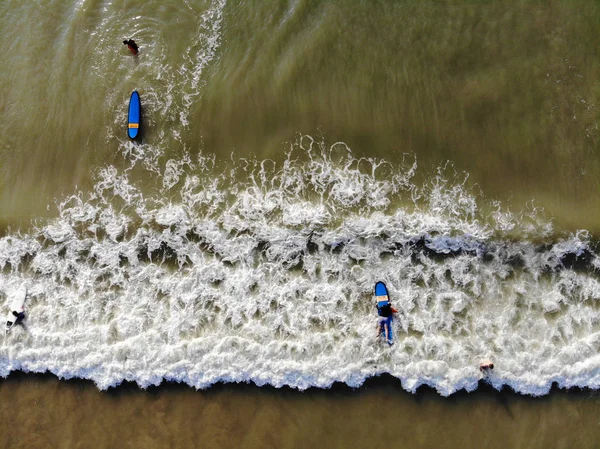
(42, 411)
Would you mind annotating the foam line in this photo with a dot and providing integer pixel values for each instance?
(273, 284)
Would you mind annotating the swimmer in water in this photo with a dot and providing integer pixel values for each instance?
(133, 48)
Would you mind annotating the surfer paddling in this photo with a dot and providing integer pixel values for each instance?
(133, 48)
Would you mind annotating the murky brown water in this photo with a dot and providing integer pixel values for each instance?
(505, 90)
(40, 411)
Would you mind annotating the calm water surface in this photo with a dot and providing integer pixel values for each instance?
(53, 413)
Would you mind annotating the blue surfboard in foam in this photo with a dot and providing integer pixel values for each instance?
(134, 117)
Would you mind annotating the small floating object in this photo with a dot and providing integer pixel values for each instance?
(135, 115)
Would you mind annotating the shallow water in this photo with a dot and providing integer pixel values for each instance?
(74, 414)
(504, 90)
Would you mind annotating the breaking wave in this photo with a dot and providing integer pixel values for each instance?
(257, 271)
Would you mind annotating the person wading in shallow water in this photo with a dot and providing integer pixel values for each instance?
(486, 367)
(384, 321)
(133, 48)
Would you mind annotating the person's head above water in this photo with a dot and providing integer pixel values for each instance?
(132, 46)
(486, 365)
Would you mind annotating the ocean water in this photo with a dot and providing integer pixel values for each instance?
(74, 413)
(278, 178)
(270, 279)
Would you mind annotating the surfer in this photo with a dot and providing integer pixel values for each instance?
(133, 48)
(16, 313)
(18, 317)
(384, 321)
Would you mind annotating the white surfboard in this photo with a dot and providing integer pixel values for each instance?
(17, 304)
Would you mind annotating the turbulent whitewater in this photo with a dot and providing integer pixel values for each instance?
(253, 271)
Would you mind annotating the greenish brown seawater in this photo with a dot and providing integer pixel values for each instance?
(507, 91)
(41, 411)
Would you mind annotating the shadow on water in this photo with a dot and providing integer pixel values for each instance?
(384, 383)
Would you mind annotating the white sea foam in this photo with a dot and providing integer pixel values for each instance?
(264, 272)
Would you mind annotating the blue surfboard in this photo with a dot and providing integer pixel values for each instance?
(381, 294)
(134, 117)
(382, 298)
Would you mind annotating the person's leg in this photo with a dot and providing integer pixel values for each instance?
(389, 335)
(380, 326)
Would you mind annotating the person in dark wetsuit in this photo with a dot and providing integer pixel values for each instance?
(133, 48)
(19, 316)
